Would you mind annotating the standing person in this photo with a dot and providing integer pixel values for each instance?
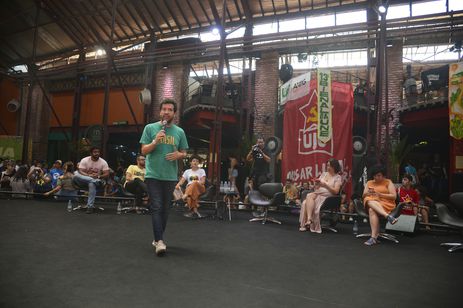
(163, 143)
(260, 162)
(196, 181)
(135, 180)
(92, 173)
(410, 169)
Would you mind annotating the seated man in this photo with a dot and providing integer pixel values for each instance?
(135, 180)
(92, 173)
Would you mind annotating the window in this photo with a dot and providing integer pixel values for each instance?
(351, 17)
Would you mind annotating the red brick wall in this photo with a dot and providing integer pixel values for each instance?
(395, 75)
(266, 94)
(169, 83)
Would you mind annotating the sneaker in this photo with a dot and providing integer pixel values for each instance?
(198, 215)
(160, 248)
(351, 219)
(90, 210)
(188, 214)
(365, 220)
(371, 241)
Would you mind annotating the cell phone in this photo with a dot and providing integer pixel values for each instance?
(371, 190)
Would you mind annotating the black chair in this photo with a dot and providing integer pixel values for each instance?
(360, 209)
(77, 185)
(132, 207)
(328, 210)
(452, 218)
(269, 194)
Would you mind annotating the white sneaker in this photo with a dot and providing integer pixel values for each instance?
(160, 248)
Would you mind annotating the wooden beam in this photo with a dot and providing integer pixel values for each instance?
(261, 8)
(162, 15)
(247, 10)
(127, 8)
(172, 15)
(238, 9)
(150, 15)
(215, 13)
(204, 11)
(181, 12)
(96, 20)
(194, 13)
(116, 23)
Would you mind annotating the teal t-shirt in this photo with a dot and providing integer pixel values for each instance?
(157, 166)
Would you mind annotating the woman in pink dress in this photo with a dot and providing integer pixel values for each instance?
(328, 184)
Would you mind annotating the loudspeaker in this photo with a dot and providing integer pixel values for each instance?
(359, 145)
(13, 105)
(405, 223)
(145, 96)
(273, 146)
(286, 72)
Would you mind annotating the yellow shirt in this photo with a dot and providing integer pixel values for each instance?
(136, 172)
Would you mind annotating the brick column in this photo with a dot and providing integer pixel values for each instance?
(171, 83)
(266, 94)
(395, 75)
(39, 125)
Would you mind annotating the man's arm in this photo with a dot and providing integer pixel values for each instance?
(266, 157)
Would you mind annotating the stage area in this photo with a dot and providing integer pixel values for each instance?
(52, 258)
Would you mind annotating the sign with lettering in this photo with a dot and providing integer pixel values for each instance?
(324, 128)
(11, 147)
(304, 154)
(456, 100)
(295, 88)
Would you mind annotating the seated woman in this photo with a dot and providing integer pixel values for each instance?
(196, 178)
(64, 189)
(20, 183)
(328, 184)
(379, 198)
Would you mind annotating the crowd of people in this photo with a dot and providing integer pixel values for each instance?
(163, 144)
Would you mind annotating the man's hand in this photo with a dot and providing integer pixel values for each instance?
(161, 134)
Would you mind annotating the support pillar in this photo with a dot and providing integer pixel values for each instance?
(266, 94)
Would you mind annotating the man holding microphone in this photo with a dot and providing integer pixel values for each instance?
(163, 143)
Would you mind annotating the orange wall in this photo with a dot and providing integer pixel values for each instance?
(8, 91)
(92, 107)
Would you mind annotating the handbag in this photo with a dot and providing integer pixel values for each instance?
(177, 194)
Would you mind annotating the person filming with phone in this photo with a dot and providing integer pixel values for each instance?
(259, 172)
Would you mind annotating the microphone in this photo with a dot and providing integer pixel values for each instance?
(164, 125)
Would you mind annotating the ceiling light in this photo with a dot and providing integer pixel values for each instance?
(99, 52)
(382, 9)
(215, 31)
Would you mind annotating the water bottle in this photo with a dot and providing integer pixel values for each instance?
(119, 208)
(355, 228)
(69, 206)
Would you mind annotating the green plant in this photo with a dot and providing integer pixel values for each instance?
(397, 154)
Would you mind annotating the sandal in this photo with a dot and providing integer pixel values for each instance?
(308, 223)
(371, 241)
(391, 219)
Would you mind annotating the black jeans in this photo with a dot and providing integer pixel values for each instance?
(160, 193)
(138, 188)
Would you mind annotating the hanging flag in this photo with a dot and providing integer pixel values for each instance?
(456, 100)
(294, 88)
(325, 127)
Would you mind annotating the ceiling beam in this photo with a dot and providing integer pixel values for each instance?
(247, 10)
(127, 8)
(150, 15)
(172, 15)
(104, 20)
(183, 15)
(96, 19)
(204, 11)
(163, 16)
(215, 13)
(238, 9)
(116, 22)
(193, 13)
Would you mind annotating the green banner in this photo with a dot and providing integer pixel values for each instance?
(325, 126)
(11, 147)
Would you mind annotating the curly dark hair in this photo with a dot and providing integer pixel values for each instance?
(194, 156)
(168, 101)
(376, 169)
(335, 164)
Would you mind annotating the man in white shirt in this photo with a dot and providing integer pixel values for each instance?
(92, 172)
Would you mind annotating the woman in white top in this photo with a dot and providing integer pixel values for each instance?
(328, 184)
(196, 179)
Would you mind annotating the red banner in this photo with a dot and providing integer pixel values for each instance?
(305, 157)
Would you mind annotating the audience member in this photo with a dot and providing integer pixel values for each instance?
(55, 172)
(424, 204)
(135, 180)
(6, 176)
(291, 193)
(233, 195)
(92, 173)
(346, 206)
(196, 180)
(64, 189)
(328, 184)
(20, 183)
(379, 198)
(112, 188)
(411, 170)
(408, 196)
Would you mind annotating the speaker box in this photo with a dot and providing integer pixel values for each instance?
(405, 223)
